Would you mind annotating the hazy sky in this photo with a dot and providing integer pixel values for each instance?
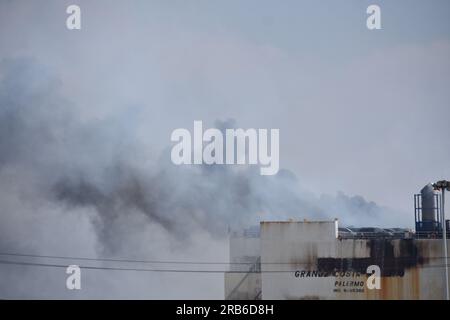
(362, 112)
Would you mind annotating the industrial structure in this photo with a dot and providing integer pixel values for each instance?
(320, 260)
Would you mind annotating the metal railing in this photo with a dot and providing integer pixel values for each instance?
(255, 268)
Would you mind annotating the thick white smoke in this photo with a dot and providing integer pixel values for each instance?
(72, 188)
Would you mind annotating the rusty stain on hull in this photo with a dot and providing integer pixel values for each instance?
(392, 256)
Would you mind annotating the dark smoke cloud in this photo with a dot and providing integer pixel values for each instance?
(68, 185)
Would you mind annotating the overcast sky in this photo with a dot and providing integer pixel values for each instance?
(362, 112)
